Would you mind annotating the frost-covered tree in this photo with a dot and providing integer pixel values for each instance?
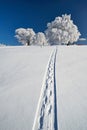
(24, 35)
(2, 45)
(39, 39)
(62, 31)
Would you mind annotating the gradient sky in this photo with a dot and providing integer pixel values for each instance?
(36, 14)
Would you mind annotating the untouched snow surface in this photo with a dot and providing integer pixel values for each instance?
(28, 82)
(72, 87)
(21, 75)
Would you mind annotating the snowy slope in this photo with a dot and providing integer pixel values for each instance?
(29, 77)
(21, 76)
(46, 118)
(72, 87)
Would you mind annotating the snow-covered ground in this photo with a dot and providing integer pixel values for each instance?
(21, 75)
(29, 79)
(45, 117)
(72, 87)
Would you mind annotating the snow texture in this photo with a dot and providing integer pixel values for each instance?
(21, 84)
(72, 87)
(21, 75)
(46, 118)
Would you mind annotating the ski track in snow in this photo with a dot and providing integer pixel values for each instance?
(46, 115)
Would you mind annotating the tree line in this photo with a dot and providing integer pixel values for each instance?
(60, 31)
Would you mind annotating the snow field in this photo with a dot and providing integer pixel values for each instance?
(45, 115)
(21, 75)
(63, 93)
(72, 87)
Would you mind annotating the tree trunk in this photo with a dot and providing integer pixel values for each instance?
(28, 43)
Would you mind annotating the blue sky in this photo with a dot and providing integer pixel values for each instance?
(36, 14)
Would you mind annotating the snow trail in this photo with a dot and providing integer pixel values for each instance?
(46, 115)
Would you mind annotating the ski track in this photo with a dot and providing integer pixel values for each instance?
(46, 117)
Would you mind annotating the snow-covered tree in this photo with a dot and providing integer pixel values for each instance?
(2, 45)
(24, 35)
(39, 39)
(62, 31)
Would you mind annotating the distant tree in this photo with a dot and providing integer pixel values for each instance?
(24, 35)
(39, 39)
(1, 44)
(62, 31)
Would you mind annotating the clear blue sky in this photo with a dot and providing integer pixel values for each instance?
(36, 13)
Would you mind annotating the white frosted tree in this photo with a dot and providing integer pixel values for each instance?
(62, 31)
(24, 35)
(39, 39)
(2, 45)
